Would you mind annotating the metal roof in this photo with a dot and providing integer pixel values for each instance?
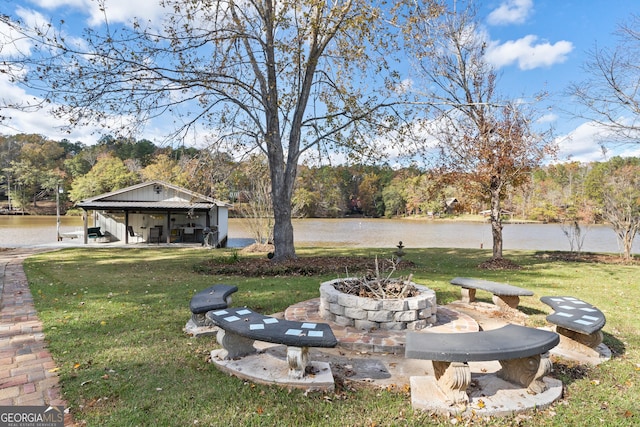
(161, 205)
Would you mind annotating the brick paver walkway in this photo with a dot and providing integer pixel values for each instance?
(27, 370)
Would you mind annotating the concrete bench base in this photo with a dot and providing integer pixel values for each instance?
(505, 297)
(503, 302)
(571, 344)
(269, 366)
(235, 346)
(454, 378)
(490, 395)
(522, 353)
(592, 340)
(197, 331)
(569, 349)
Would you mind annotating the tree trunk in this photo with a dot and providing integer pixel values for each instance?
(628, 243)
(283, 239)
(627, 235)
(496, 218)
(282, 179)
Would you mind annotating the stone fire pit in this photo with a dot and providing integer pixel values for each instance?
(412, 313)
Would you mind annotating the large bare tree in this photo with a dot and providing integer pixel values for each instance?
(610, 91)
(475, 135)
(620, 192)
(277, 76)
(610, 97)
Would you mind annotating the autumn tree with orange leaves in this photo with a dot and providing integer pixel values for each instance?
(474, 135)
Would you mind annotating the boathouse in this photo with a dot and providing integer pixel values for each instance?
(155, 212)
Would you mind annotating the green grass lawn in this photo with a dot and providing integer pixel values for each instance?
(113, 320)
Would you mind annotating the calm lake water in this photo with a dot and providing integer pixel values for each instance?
(385, 233)
(20, 231)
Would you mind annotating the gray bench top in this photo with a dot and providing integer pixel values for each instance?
(212, 298)
(248, 323)
(493, 287)
(574, 314)
(508, 342)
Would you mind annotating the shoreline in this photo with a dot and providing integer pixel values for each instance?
(415, 232)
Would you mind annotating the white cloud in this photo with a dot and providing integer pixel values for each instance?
(548, 118)
(581, 144)
(11, 93)
(54, 4)
(117, 11)
(511, 12)
(528, 53)
(125, 11)
(585, 144)
(38, 120)
(28, 18)
(404, 86)
(10, 42)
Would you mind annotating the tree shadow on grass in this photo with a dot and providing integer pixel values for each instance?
(530, 311)
(446, 297)
(569, 371)
(616, 346)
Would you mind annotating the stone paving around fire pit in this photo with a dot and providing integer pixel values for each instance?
(377, 358)
(378, 340)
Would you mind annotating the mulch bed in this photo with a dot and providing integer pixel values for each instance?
(587, 257)
(359, 266)
(302, 266)
(499, 264)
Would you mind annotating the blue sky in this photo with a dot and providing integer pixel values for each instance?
(535, 44)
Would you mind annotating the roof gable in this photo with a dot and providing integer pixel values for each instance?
(153, 192)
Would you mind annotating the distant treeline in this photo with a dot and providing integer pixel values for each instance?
(33, 167)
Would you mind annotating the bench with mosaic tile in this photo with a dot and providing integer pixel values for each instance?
(576, 320)
(240, 327)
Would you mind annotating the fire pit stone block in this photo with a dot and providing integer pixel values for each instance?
(412, 313)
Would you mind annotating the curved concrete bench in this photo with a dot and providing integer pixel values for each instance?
(505, 296)
(242, 326)
(521, 351)
(213, 298)
(577, 320)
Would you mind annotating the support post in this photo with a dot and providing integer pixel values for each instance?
(468, 295)
(58, 212)
(85, 222)
(453, 379)
(527, 371)
(506, 302)
(298, 359)
(589, 340)
(234, 345)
